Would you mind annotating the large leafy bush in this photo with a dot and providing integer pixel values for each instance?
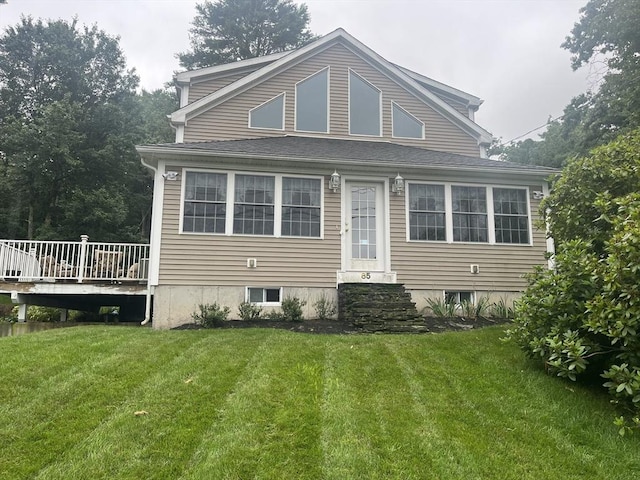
(583, 317)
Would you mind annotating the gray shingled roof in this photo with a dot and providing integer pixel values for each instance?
(294, 147)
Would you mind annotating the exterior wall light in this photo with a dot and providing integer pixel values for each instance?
(398, 185)
(334, 182)
(170, 175)
(538, 195)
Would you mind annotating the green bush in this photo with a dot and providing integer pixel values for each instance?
(37, 313)
(583, 317)
(325, 308)
(249, 311)
(209, 313)
(475, 310)
(8, 313)
(292, 309)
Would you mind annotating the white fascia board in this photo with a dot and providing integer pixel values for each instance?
(176, 156)
(191, 75)
(209, 101)
(470, 100)
(442, 107)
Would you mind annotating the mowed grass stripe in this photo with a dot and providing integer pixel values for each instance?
(61, 410)
(494, 421)
(178, 400)
(30, 362)
(269, 427)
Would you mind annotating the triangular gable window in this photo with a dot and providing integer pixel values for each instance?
(405, 125)
(364, 106)
(268, 115)
(312, 103)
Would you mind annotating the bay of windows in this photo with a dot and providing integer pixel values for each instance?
(461, 213)
(270, 205)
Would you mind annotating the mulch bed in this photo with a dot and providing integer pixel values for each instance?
(429, 325)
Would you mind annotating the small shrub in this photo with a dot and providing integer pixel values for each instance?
(441, 308)
(275, 315)
(249, 311)
(475, 310)
(292, 309)
(501, 309)
(210, 313)
(8, 313)
(325, 308)
(36, 313)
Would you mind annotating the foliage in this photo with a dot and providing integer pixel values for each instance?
(37, 313)
(226, 31)
(249, 311)
(606, 37)
(501, 309)
(69, 120)
(292, 309)
(8, 313)
(583, 317)
(441, 308)
(476, 309)
(581, 204)
(210, 313)
(325, 308)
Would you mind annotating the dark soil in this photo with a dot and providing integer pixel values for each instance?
(429, 325)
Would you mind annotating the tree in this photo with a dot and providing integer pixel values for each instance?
(225, 31)
(607, 33)
(582, 318)
(69, 120)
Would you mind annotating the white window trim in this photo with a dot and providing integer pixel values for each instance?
(295, 106)
(349, 104)
(284, 104)
(409, 114)
(263, 304)
(491, 233)
(277, 203)
(183, 187)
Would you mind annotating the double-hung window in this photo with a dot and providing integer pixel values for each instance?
(469, 214)
(511, 215)
(301, 207)
(427, 217)
(254, 206)
(205, 207)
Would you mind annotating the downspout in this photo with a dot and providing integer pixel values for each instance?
(147, 304)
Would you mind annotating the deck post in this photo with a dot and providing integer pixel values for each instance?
(83, 257)
(22, 312)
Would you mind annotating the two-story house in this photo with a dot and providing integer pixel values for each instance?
(300, 171)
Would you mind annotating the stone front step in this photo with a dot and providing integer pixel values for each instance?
(375, 306)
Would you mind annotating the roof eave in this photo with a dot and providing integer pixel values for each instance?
(151, 151)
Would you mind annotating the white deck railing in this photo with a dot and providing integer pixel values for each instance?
(47, 261)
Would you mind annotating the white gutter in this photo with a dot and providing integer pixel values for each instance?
(182, 152)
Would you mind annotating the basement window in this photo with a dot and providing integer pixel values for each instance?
(458, 297)
(264, 295)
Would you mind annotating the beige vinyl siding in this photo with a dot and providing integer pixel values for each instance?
(432, 265)
(463, 109)
(203, 88)
(221, 260)
(229, 119)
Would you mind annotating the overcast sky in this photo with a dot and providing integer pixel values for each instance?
(506, 52)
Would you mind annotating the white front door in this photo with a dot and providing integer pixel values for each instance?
(365, 233)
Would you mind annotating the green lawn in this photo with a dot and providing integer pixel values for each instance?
(263, 403)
